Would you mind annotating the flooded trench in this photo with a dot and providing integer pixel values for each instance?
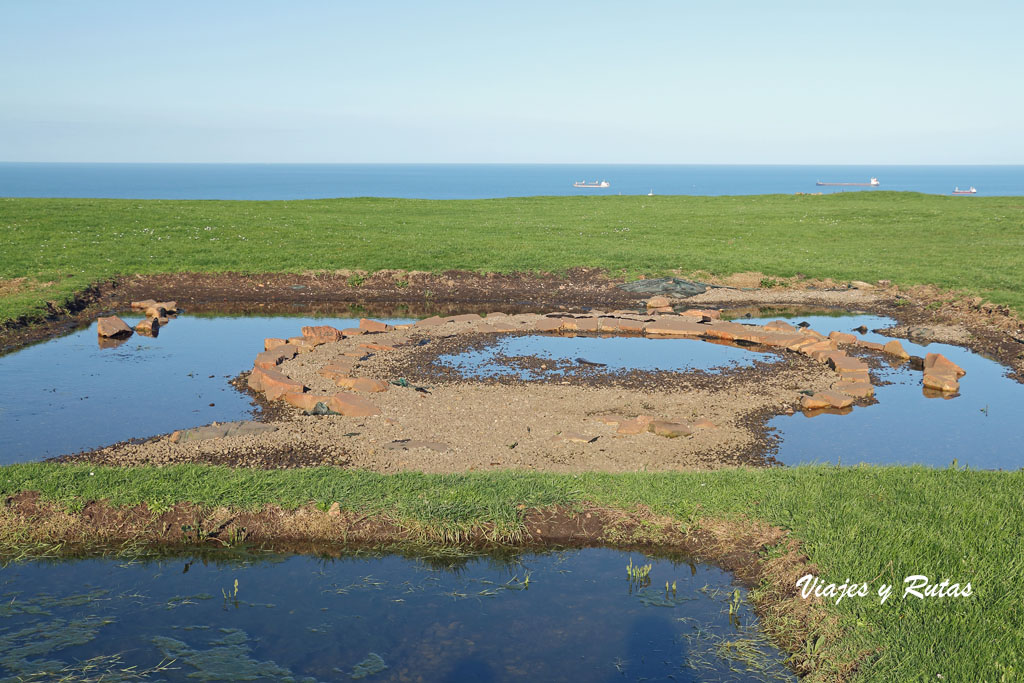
(69, 394)
(232, 616)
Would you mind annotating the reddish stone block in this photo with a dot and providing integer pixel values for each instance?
(373, 326)
(938, 362)
(112, 326)
(351, 405)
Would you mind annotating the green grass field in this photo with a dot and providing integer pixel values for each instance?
(973, 244)
(874, 524)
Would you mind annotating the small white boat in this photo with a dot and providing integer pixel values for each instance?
(651, 193)
(970, 190)
(584, 183)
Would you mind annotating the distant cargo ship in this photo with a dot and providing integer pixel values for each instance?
(583, 183)
(971, 190)
(872, 183)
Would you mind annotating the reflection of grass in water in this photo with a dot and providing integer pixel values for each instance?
(226, 660)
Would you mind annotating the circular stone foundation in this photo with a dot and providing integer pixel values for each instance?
(385, 398)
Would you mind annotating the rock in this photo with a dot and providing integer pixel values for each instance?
(813, 403)
(322, 334)
(169, 306)
(304, 401)
(148, 327)
(156, 312)
(352, 332)
(708, 313)
(842, 337)
(894, 348)
(704, 424)
(580, 324)
(826, 399)
(936, 362)
(661, 309)
(670, 429)
(432, 321)
(728, 331)
(273, 383)
(874, 346)
(334, 510)
(337, 369)
(673, 326)
(373, 326)
(921, 335)
(224, 429)
(612, 419)
(659, 302)
(365, 384)
(841, 363)
(621, 325)
(780, 326)
(143, 305)
(548, 324)
(275, 356)
(857, 284)
(302, 344)
(113, 326)
(855, 389)
(637, 425)
(940, 380)
(351, 405)
(273, 343)
(820, 350)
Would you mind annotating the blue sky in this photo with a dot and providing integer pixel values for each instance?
(549, 82)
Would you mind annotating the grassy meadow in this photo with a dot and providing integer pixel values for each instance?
(54, 247)
(865, 524)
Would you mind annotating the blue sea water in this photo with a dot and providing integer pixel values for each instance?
(477, 181)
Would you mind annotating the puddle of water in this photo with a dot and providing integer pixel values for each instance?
(617, 354)
(67, 394)
(307, 619)
(981, 427)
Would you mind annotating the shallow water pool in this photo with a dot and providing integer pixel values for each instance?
(611, 354)
(69, 394)
(569, 615)
(981, 427)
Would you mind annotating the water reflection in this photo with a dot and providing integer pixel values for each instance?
(570, 615)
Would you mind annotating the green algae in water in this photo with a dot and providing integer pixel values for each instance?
(454, 618)
(227, 659)
(20, 650)
(372, 665)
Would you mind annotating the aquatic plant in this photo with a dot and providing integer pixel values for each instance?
(638, 575)
(373, 664)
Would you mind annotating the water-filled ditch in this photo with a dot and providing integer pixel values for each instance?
(567, 615)
(69, 394)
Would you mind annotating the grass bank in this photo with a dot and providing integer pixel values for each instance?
(865, 524)
(54, 247)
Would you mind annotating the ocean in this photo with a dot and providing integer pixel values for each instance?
(477, 181)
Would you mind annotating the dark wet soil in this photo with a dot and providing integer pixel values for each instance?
(991, 330)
